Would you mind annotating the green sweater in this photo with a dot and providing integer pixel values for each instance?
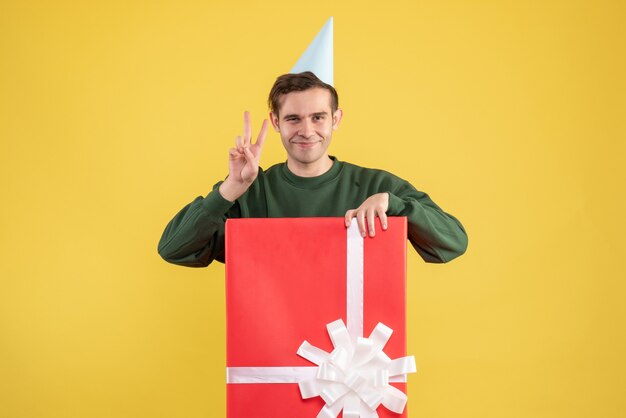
(195, 237)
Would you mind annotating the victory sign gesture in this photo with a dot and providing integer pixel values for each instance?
(243, 161)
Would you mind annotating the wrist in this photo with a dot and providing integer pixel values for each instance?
(231, 190)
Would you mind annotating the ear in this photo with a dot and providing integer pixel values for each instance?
(337, 118)
(274, 119)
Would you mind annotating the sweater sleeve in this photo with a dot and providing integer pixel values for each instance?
(195, 236)
(437, 236)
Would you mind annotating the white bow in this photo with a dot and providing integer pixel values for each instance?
(355, 377)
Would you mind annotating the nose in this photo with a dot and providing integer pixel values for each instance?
(306, 129)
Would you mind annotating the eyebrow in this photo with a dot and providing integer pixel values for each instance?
(312, 114)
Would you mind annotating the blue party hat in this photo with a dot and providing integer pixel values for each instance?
(318, 57)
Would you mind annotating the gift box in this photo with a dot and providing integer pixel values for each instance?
(302, 296)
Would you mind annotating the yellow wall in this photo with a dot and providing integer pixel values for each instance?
(113, 115)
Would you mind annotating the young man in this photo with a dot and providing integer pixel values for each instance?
(304, 110)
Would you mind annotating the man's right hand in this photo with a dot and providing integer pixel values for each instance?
(243, 161)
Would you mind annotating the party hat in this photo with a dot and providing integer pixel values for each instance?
(318, 57)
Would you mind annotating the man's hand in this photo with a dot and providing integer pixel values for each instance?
(243, 161)
(374, 206)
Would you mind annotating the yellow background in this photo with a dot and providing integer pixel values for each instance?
(510, 114)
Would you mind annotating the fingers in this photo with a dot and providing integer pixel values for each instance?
(234, 154)
(360, 215)
(383, 218)
(373, 207)
(371, 217)
(247, 128)
(250, 158)
(365, 220)
(246, 139)
(360, 221)
(348, 217)
(372, 214)
(251, 168)
(260, 140)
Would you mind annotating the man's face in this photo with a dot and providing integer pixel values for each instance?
(305, 124)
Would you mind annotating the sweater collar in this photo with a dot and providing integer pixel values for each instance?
(312, 182)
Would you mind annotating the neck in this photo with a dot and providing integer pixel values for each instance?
(314, 169)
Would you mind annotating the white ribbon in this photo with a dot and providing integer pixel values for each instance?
(354, 377)
(354, 283)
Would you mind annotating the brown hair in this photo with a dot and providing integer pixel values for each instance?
(287, 83)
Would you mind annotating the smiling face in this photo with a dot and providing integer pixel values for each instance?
(305, 123)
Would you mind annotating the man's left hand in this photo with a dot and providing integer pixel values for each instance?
(374, 206)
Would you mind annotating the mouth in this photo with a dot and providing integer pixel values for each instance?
(306, 144)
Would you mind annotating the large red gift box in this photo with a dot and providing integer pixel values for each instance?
(286, 279)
